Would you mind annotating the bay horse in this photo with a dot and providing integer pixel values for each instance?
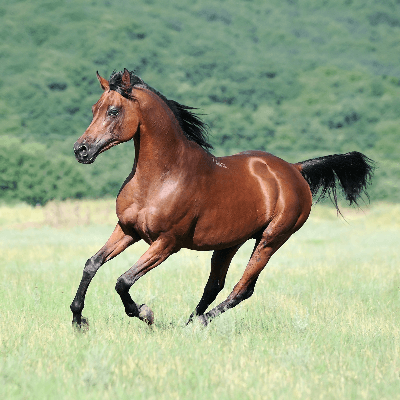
(179, 195)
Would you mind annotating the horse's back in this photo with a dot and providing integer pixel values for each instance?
(279, 181)
(273, 174)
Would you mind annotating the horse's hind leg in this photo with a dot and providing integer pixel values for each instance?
(265, 247)
(220, 262)
(117, 243)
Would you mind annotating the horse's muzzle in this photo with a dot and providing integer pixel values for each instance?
(83, 153)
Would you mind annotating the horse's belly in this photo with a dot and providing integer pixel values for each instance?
(226, 227)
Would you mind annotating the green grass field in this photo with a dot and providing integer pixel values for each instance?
(323, 323)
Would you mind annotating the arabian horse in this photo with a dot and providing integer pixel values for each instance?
(179, 195)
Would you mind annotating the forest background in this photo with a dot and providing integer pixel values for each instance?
(297, 78)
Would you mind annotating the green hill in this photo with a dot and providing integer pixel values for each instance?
(296, 78)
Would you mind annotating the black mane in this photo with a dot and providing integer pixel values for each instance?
(192, 126)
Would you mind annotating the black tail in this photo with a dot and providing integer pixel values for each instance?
(353, 171)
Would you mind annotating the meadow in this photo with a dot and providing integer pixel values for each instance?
(301, 79)
(323, 322)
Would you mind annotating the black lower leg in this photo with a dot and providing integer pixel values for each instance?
(232, 301)
(219, 267)
(91, 267)
(209, 295)
(122, 288)
(79, 300)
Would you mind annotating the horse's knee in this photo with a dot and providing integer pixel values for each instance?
(92, 265)
(122, 286)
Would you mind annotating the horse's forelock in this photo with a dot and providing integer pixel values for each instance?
(117, 84)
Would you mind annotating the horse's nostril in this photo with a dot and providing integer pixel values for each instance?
(81, 151)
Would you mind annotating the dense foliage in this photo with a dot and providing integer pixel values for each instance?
(29, 175)
(298, 78)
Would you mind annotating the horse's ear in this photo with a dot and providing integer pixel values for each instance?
(126, 79)
(103, 82)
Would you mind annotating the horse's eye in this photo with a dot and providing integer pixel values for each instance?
(113, 111)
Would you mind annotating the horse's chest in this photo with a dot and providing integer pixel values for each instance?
(149, 222)
(156, 210)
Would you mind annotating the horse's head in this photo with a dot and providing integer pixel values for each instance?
(115, 119)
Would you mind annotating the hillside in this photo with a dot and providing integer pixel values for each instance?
(297, 78)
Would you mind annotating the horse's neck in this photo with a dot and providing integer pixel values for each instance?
(160, 147)
(154, 155)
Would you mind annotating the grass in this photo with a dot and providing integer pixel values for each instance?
(324, 321)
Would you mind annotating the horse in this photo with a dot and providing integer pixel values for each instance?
(179, 195)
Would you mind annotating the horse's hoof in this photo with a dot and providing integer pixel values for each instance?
(83, 326)
(146, 315)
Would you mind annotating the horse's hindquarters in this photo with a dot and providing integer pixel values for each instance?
(244, 196)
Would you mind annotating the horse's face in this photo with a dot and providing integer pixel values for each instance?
(115, 120)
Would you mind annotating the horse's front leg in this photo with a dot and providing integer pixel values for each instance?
(159, 251)
(116, 244)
